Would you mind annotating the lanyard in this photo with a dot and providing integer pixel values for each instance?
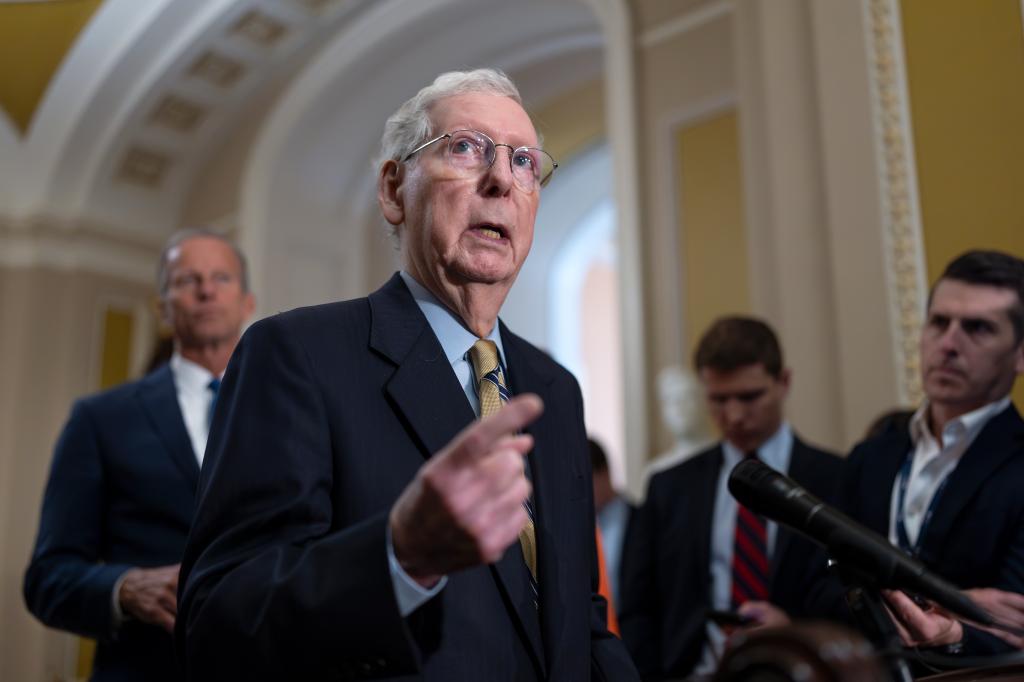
(901, 528)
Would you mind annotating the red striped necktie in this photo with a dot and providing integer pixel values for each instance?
(749, 556)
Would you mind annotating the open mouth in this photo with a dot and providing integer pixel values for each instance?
(490, 231)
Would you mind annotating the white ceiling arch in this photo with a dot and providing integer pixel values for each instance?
(142, 95)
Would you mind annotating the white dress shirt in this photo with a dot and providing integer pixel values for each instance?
(932, 462)
(192, 385)
(456, 341)
(776, 453)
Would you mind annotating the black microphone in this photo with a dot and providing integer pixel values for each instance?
(779, 498)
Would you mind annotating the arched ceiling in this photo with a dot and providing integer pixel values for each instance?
(150, 91)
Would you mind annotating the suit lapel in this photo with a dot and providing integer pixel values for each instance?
(159, 401)
(800, 465)
(704, 506)
(423, 388)
(877, 481)
(544, 463)
(430, 400)
(1000, 440)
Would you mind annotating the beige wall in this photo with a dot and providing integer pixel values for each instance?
(572, 121)
(51, 352)
(680, 78)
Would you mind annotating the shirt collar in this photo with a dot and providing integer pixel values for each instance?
(965, 427)
(189, 376)
(774, 452)
(455, 338)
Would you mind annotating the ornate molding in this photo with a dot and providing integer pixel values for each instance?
(897, 175)
(60, 244)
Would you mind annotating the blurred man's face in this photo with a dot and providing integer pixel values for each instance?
(460, 229)
(969, 356)
(204, 303)
(745, 404)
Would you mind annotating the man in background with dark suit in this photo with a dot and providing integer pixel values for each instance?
(118, 503)
(397, 486)
(691, 548)
(948, 489)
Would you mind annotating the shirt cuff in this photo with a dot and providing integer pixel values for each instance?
(116, 614)
(409, 593)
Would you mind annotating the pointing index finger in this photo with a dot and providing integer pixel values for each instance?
(478, 439)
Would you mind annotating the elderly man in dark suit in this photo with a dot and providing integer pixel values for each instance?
(376, 503)
(691, 548)
(948, 488)
(118, 504)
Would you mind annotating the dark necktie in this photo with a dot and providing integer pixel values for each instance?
(493, 394)
(214, 387)
(749, 556)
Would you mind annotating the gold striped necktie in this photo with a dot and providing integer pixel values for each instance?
(493, 394)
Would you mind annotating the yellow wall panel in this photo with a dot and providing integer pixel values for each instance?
(117, 347)
(713, 238)
(965, 73)
(34, 37)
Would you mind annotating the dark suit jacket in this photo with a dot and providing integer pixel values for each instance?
(120, 494)
(976, 536)
(666, 562)
(325, 415)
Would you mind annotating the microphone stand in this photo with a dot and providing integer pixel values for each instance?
(865, 602)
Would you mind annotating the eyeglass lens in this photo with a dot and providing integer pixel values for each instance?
(473, 151)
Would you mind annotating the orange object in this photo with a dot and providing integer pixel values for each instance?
(603, 587)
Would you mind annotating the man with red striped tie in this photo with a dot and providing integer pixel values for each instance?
(693, 556)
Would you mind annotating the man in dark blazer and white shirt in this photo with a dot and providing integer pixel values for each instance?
(118, 504)
(356, 519)
(949, 489)
(679, 556)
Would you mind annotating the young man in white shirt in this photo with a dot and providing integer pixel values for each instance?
(947, 490)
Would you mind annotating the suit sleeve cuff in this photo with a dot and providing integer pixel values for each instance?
(116, 612)
(409, 593)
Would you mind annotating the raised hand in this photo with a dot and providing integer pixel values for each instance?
(465, 506)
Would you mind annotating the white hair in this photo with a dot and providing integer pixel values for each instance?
(411, 126)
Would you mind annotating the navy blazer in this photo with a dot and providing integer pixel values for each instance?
(666, 561)
(976, 535)
(325, 415)
(120, 494)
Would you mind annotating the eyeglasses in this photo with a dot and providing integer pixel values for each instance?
(471, 151)
(194, 280)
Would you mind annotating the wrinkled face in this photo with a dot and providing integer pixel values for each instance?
(969, 356)
(746, 403)
(459, 229)
(204, 303)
